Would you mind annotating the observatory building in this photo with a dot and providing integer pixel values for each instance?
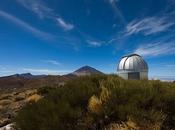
(132, 67)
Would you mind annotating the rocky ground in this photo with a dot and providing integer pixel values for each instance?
(12, 101)
(19, 89)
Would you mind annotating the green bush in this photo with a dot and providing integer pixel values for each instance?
(94, 102)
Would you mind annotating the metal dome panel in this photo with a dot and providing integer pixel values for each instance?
(133, 63)
(122, 63)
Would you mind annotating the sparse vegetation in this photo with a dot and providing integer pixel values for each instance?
(11, 102)
(33, 98)
(101, 103)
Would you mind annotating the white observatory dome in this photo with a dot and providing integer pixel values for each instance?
(132, 67)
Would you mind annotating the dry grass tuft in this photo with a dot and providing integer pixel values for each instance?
(34, 98)
(95, 105)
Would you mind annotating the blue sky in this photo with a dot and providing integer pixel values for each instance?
(59, 36)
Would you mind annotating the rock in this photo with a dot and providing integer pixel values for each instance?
(4, 122)
(7, 127)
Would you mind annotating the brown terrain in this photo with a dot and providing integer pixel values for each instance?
(17, 90)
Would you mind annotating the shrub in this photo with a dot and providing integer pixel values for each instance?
(96, 102)
(34, 98)
(95, 105)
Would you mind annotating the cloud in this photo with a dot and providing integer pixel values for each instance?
(64, 25)
(113, 1)
(94, 43)
(117, 11)
(170, 65)
(113, 40)
(38, 7)
(54, 62)
(45, 71)
(25, 25)
(4, 71)
(149, 25)
(156, 49)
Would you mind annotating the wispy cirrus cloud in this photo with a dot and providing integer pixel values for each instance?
(149, 25)
(39, 7)
(10, 70)
(94, 43)
(53, 62)
(170, 65)
(113, 1)
(45, 71)
(25, 25)
(156, 46)
(5, 70)
(117, 11)
(156, 49)
(66, 26)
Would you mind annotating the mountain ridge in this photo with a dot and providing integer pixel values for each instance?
(24, 75)
(27, 80)
(86, 70)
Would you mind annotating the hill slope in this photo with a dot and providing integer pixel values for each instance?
(27, 80)
(86, 70)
